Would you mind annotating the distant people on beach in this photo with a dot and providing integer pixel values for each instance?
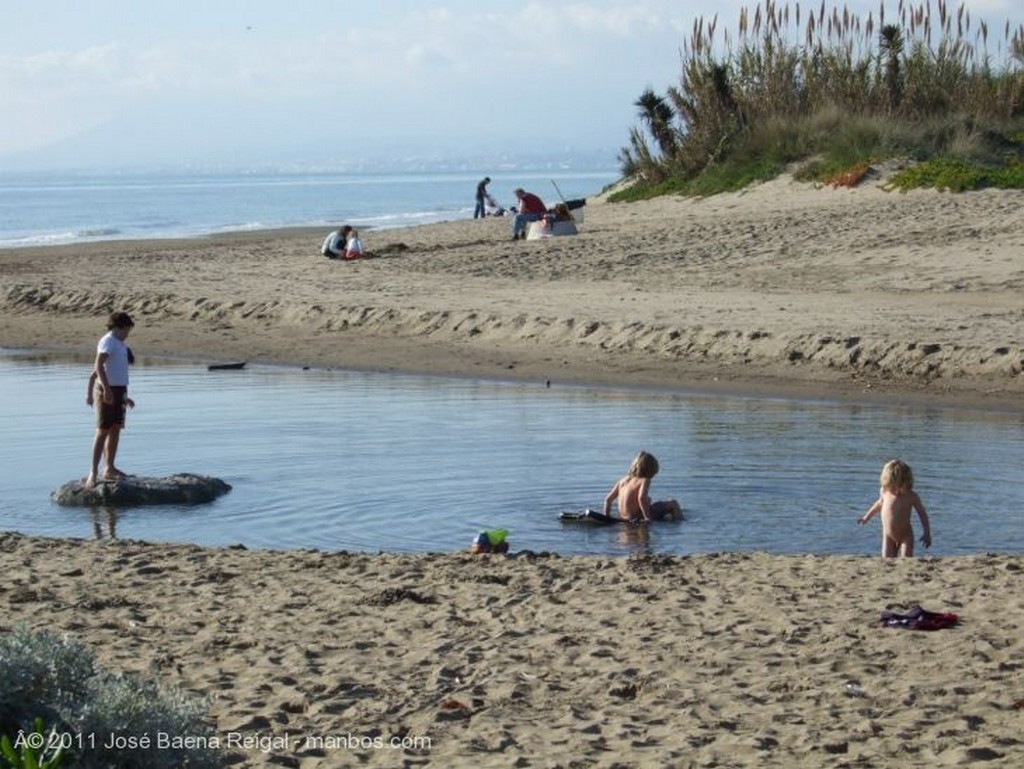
(335, 243)
(481, 198)
(562, 213)
(632, 494)
(108, 389)
(354, 245)
(896, 500)
(529, 209)
(493, 208)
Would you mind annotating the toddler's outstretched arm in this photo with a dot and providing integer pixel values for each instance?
(609, 498)
(926, 536)
(874, 510)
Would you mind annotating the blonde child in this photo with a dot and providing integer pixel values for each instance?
(896, 500)
(631, 493)
(354, 246)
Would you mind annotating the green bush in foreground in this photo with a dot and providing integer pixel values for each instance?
(100, 718)
(38, 749)
(824, 91)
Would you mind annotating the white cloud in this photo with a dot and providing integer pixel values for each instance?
(213, 74)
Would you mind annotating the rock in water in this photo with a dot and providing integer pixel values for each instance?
(179, 489)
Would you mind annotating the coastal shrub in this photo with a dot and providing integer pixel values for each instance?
(107, 720)
(39, 674)
(957, 175)
(823, 90)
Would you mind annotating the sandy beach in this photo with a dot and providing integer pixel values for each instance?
(455, 660)
(740, 660)
(786, 287)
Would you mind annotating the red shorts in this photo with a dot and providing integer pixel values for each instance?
(111, 414)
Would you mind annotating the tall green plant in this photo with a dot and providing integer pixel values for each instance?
(891, 43)
(927, 64)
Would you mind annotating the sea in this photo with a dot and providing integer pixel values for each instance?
(40, 209)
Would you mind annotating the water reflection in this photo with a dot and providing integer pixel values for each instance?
(339, 460)
(104, 522)
(634, 537)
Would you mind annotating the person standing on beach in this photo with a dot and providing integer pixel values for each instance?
(481, 198)
(111, 382)
(632, 494)
(530, 209)
(896, 500)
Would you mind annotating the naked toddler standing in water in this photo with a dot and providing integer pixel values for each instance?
(896, 500)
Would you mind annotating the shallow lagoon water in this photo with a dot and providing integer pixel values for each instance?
(338, 460)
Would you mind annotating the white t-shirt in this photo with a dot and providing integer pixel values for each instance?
(116, 364)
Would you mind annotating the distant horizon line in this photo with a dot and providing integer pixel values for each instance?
(597, 160)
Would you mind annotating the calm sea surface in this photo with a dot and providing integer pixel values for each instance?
(48, 209)
(349, 461)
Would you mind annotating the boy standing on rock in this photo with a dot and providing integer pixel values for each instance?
(110, 380)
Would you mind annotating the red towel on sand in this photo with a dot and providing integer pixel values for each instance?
(919, 619)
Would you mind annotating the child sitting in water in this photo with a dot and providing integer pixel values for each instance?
(632, 494)
(896, 500)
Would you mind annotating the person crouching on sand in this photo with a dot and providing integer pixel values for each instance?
(111, 382)
(896, 500)
(632, 494)
(335, 243)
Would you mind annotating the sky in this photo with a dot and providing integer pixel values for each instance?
(322, 83)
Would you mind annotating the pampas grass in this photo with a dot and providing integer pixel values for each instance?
(930, 78)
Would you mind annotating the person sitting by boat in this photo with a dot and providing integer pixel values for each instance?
(530, 209)
(562, 213)
(335, 243)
